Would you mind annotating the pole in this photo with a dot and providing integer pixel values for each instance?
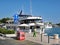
(41, 37)
(41, 34)
(48, 38)
(31, 7)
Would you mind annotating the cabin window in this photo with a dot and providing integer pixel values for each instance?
(37, 26)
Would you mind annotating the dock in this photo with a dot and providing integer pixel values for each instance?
(44, 41)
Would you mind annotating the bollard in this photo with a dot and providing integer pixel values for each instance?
(48, 38)
(41, 37)
(56, 36)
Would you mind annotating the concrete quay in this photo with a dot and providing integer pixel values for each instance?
(37, 39)
(30, 40)
(11, 41)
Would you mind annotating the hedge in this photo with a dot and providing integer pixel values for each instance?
(5, 31)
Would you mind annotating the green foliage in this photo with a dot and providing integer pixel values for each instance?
(5, 31)
(0, 22)
(50, 22)
(58, 24)
(3, 20)
(10, 32)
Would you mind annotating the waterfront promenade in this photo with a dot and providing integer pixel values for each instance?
(37, 39)
(30, 40)
(11, 41)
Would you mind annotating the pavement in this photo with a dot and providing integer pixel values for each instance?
(11, 41)
(44, 41)
(2, 38)
(30, 40)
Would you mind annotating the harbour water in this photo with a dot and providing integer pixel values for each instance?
(53, 31)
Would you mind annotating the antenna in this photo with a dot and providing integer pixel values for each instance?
(18, 12)
(30, 7)
(22, 9)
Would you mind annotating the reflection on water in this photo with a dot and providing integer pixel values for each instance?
(53, 31)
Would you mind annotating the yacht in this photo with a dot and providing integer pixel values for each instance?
(27, 23)
(48, 25)
(31, 22)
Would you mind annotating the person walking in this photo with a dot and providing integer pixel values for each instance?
(34, 33)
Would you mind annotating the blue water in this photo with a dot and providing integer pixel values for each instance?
(53, 31)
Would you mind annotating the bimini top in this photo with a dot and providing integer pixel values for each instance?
(30, 18)
(34, 17)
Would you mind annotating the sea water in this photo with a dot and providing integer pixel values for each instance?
(53, 31)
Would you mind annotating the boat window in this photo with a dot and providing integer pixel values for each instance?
(37, 26)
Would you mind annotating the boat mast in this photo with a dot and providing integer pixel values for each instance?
(22, 9)
(30, 7)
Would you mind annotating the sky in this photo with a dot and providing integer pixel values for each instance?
(49, 10)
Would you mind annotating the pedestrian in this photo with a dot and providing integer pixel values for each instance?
(34, 33)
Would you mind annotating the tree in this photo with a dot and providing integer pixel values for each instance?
(50, 22)
(3, 20)
(58, 24)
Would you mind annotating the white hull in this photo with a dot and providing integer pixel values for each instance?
(48, 27)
